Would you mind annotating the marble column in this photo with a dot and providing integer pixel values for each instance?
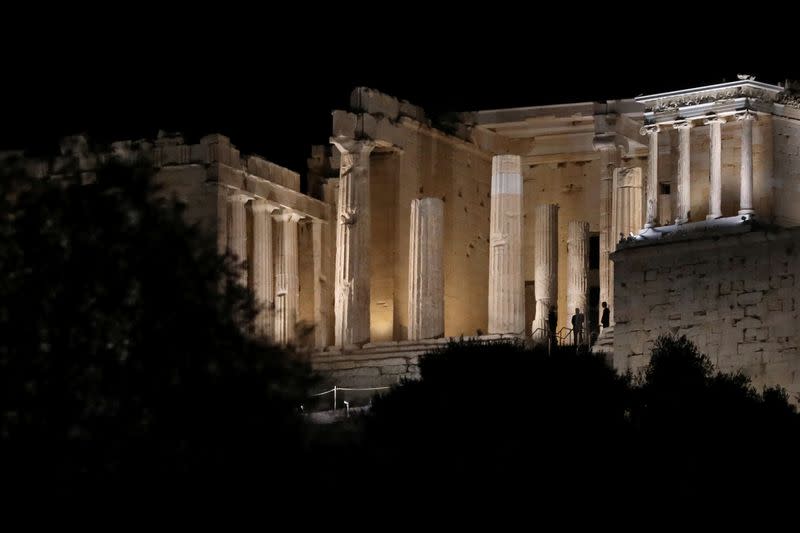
(684, 171)
(627, 203)
(578, 268)
(352, 277)
(261, 266)
(506, 283)
(287, 284)
(715, 168)
(321, 290)
(608, 160)
(237, 231)
(425, 270)
(652, 176)
(330, 190)
(545, 245)
(746, 185)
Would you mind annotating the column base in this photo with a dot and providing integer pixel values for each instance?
(747, 211)
(648, 232)
(679, 221)
(713, 217)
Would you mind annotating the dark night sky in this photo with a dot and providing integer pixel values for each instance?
(270, 83)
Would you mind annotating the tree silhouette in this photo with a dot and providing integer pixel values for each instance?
(123, 351)
(707, 434)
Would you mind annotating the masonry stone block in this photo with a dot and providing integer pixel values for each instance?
(750, 298)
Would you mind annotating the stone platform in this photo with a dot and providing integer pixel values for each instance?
(381, 364)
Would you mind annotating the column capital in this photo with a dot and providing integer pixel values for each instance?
(682, 125)
(506, 163)
(745, 114)
(240, 197)
(714, 119)
(348, 145)
(262, 206)
(649, 129)
(287, 216)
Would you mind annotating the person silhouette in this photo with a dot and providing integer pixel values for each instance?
(577, 326)
(552, 324)
(606, 316)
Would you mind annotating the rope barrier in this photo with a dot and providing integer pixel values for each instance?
(368, 388)
(336, 389)
(347, 388)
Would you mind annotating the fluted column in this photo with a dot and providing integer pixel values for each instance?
(578, 268)
(425, 270)
(608, 158)
(506, 284)
(627, 204)
(652, 175)
(321, 291)
(545, 244)
(237, 231)
(746, 185)
(684, 171)
(222, 218)
(352, 295)
(261, 266)
(287, 284)
(715, 168)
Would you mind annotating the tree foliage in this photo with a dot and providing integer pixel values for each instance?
(123, 349)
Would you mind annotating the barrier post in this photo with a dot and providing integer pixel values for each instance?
(334, 397)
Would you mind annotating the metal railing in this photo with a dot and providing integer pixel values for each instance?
(563, 337)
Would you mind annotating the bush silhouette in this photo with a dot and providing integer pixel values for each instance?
(706, 433)
(499, 415)
(505, 420)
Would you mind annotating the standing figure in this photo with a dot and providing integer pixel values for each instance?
(552, 324)
(605, 318)
(577, 327)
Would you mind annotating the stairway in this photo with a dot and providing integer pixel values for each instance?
(605, 343)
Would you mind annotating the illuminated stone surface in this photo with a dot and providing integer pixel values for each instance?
(546, 258)
(425, 273)
(352, 277)
(746, 188)
(627, 202)
(651, 203)
(715, 168)
(506, 285)
(261, 265)
(578, 268)
(622, 167)
(237, 231)
(684, 171)
(286, 277)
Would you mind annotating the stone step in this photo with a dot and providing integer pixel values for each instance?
(605, 342)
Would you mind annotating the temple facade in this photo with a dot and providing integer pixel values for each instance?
(677, 209)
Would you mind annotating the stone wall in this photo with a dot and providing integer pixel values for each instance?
(735, 295)
(432, 165)
(786, 143)
(383, 253)
(414, 160)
